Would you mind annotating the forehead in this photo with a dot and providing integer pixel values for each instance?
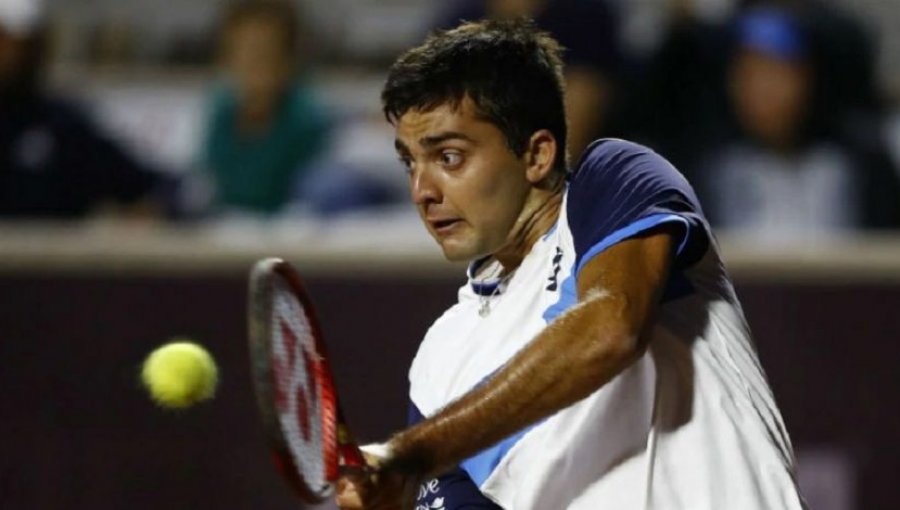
(418, 126)
(257, 30)
(757, 60)
(255, 27)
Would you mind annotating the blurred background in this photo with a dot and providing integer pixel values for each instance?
(150, 151)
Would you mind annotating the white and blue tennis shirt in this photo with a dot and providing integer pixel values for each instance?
(691, 425)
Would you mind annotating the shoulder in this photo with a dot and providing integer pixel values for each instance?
(613, 155)
(302, 96)
(220, 105)
(621, 189)
(307, 110)
(614, 171)
(221, 95)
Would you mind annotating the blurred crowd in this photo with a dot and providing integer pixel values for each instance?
(772, 109)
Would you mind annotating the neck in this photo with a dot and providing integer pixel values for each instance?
(255, 114)
(540, 212)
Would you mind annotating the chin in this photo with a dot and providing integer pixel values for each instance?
(456, 253)
(453, 255)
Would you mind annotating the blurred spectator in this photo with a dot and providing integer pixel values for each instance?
(588, 29)
(265, 125)
(676, 98)
(844, 53)
(360, 172)
(791, 171)
(53, 160)
(675, 95)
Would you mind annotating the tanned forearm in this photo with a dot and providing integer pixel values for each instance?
(569, 360)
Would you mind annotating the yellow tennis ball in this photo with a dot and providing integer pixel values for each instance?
(180, 374)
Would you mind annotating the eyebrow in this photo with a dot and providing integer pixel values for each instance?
(431, 141)
(400, 146)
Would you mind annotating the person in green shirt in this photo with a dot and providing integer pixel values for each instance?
(265, 125)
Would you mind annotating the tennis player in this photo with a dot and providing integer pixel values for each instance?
(597, 356)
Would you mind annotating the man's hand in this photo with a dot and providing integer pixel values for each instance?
(373, 488)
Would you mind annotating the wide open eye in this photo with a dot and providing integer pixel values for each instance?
(451, 158)
(407, 163)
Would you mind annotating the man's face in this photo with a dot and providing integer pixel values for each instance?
(468, 186)
(770, 95)
(257, 59)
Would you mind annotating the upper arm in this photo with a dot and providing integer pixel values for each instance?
(631, 276)
(635, 223)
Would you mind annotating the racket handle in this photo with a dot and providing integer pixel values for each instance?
(349, 451)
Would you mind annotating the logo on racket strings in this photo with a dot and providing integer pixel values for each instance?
(296, 361)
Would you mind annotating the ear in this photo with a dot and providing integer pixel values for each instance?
(540, 155)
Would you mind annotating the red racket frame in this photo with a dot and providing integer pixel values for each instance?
(338, 445)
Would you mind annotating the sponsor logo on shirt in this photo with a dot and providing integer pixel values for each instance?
(427, 490)
(553, 284)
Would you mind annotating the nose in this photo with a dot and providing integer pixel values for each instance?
(423, 188)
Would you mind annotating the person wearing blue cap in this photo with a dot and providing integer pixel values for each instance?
(787, 175)
(771, 78)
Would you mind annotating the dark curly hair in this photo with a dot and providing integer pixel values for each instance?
(510, 70)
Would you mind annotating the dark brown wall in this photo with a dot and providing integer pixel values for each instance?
(76, 430)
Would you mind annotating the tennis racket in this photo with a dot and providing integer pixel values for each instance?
(295, 391)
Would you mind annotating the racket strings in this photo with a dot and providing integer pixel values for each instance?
(297, 386)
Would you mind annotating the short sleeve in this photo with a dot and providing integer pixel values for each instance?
(621, 189)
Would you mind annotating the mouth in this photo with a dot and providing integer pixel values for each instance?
(444, 227)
